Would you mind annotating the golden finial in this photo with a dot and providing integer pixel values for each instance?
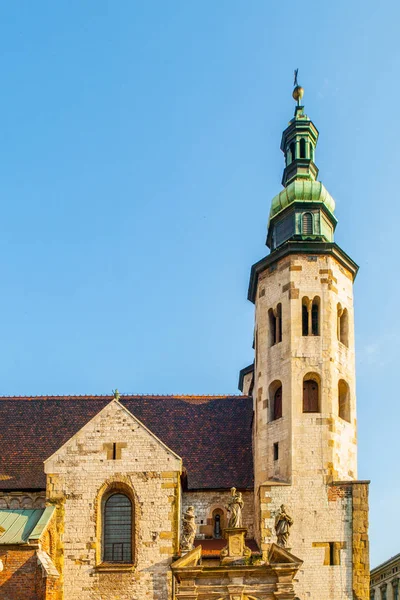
(298, 91)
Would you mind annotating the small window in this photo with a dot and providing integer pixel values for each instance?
(344, 400)
(217, 523)
(276, 451)
(275, 325)
(302, 148)
(315, 316)
(307, 224)
(272, 327)
(344, 328)
(277, 408)
(117, 542)
(331, 553)
(395, 585)
(278, 334)
(304, 313)
(275, 400)
(311, 152)
(292, 149)
(310, 395)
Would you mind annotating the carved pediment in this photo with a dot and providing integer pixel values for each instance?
(277, 555)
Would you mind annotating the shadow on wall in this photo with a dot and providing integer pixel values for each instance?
(18, 579)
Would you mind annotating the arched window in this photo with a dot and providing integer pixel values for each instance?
(275, 325)
(302, 148)
(218, 522)
(310, 316)
(343, 325)
(217, 526)
(344, 400)
(315, 316)
(311, 393)
(278, 323)
(304, 315)
(344, 328)
(272, 327)
(275, 400)
(117, 529)
(292, 149)
(307, 223)
(277, 414)
(311, 152)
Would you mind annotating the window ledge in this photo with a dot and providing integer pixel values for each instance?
(115, 567)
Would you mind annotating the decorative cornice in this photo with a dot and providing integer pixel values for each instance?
(299, 247)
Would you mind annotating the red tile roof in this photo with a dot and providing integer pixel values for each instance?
(212, 434)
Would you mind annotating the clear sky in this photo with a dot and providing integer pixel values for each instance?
(139, 152)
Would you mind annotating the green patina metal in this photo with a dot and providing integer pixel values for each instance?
(302, 190)
(304, 209)
(18, 526)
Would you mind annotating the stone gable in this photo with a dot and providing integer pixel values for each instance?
(115, 452)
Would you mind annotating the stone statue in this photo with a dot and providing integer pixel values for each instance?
(234, 507)
(282, 525)
(116, 394)
(188, 530)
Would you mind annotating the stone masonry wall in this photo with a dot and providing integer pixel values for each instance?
(80, 471)
(360, 541)
(314, 449)
(205, 502)
(320, 516)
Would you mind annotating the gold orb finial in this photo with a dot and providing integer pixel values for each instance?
(298, 91)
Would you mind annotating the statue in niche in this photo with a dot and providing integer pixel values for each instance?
(234, 507)
(188, 530)
(283, 524)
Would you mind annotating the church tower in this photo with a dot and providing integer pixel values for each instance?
(303, 381)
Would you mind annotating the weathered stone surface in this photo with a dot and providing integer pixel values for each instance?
(80, 472)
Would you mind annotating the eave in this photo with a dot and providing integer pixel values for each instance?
(299, 247)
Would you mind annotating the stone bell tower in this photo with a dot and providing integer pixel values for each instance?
(303, 381)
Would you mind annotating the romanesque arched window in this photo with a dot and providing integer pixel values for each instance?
(310, 316)
(311, 402)
(343, 325)
(315, 316)
(117, 529)
(275, 325)
(304, 316)
(344, 400)
(307, 224)
(217, 522)
(302, 148)
(275, 400)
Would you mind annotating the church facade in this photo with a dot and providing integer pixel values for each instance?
(248, 497)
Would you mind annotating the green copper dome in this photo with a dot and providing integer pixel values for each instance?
(302, 190)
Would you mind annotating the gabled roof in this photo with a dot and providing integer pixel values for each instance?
(212, 434)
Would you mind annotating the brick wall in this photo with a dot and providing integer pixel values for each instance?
(18, 578)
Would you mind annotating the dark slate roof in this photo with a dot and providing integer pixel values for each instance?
(212, 435)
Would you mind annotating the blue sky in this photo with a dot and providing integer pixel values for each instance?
(139, 152)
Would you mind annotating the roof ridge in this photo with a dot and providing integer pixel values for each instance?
(122, 396)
